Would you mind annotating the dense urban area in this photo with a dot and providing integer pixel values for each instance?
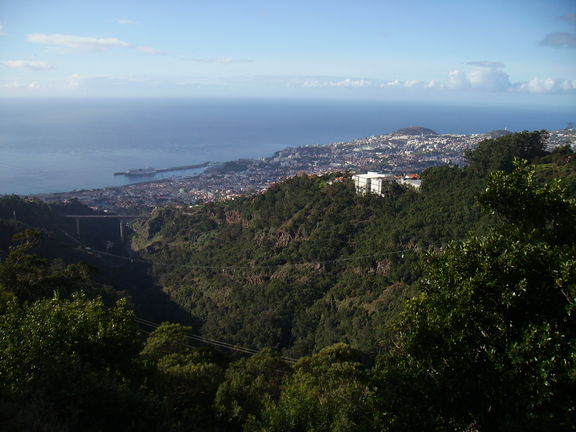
(408, 150)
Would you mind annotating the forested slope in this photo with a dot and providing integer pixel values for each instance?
(485, 343)
(51, 239)
(309, 262)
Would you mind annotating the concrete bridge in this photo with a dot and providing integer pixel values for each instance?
(121, 219)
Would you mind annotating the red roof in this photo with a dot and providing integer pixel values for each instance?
(412, 176)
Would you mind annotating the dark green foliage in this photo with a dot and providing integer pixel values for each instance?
(235, 166)
(29, 277)
(60, 260)
(415, 130)
(186, 377)
(543, 211)
(499, 154)
(486, 343)
(72, 365)
(168, 338)
(489, 343)
(327, 392)
(17, 214)
(308, 263)
(560, 163)
(248, 385)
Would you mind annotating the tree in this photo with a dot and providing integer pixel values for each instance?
(248, 383)
(30, 277)
(168, 338)
(72, 365)
(327, 392)
(187, 377)
(490, 343)
(499, 154)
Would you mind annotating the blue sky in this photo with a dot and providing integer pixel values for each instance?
(472, 52)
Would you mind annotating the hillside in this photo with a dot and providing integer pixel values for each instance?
(414, 130)
(469, 335)
(309, 262)
(106, 257)
(306, 264)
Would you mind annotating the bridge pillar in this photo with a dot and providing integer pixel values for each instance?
(78, 227)
(121, 230)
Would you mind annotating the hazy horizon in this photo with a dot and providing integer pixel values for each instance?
(490, 53)
(52, 145)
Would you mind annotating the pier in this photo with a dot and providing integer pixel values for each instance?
(153, 171)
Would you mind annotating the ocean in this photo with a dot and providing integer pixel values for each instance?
(62, 145)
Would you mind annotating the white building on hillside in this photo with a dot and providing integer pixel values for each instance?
(372, 182)
(379, 184)
(413, 180)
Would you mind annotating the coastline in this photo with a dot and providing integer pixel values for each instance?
(62, 145)
(392, 153)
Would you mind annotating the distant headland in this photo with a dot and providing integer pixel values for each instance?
(414, 130)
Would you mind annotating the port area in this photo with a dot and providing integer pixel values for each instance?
(143, 172)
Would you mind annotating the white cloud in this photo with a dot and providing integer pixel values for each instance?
(217, 60)
(148, 50)
(69, 43)
(83, 43)
(499, 81)
(457, 80)
(489, 79)
(20, 85)
(130, 79)
(547, 85)
(124, 21)
(393, 84)
(410, 84)
(2, 29)
(487, 64)
(484, 76)
(414, 84)
(77, 81)
(26, 64)
(85, 84)
(200, 82)
(74, 82)
(481, 76)
(347, 82)
(13, 85)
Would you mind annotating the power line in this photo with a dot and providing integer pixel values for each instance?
(257, 266)
(213, 342)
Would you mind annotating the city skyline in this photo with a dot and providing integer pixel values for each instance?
(456, 51)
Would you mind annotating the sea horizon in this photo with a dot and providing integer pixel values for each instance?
(60, 145)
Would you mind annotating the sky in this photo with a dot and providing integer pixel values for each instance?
(472, 52)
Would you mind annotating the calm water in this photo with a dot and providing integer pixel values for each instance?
(62, 145)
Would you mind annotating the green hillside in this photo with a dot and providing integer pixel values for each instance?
(104, 257)
(309, 262)
(457, 316)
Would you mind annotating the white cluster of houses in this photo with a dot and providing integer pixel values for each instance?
(379, 184)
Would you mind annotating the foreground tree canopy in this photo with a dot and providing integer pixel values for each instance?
(71, 364)
(490, 343)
